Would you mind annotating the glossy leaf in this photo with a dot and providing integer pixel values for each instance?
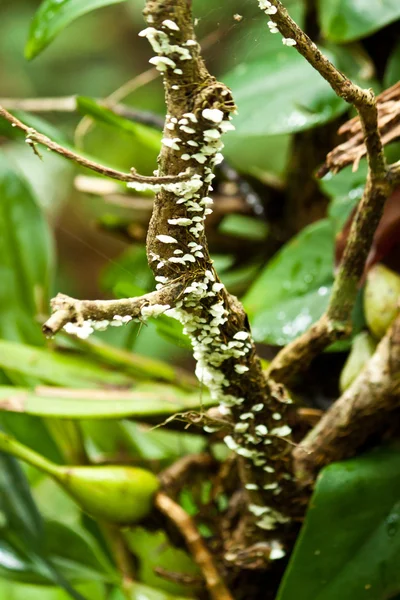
(22, 551)
(293, 290)
(350, 542)
(153, 549)
(290, 317)
(53, 16)
(25, 258)
(145, 136)
(347, 20)
(345, 189)
(56, 368)
(142, 401)
(281, 94)
(76, 554)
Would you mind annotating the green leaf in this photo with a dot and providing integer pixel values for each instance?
(22, 551)
(144, 135)
(139, 591)
(17, 505)
(53, 16)
(350, 542)
(345, 190)
(143, 401)
(293, 289)
(153, 549)
(56, 368)
(76, 554)
(363, 347)
(16, 591)
(392, 73)
(280, 94)
(347, 20)
(292, 316)
(25, 258)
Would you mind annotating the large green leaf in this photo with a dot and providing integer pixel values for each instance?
(293, 289)
(25, 258)
(22, 551)
(57, 368)
(144, 400)
(345, 190)
(289, 318)
(280, 93)
(144, 135)
(349, 545)
(153, 549)
(346, 20)
(53, 16)
(76, 554)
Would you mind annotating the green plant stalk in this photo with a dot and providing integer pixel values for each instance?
(120, 495)
(12, 446)
(67, 435)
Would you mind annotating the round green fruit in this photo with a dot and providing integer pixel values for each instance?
(362, 349)
(381, 299)
(116, 494)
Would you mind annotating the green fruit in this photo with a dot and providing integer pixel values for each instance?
(381, 299)
(116, 494)
(361, 351)
(120, 495)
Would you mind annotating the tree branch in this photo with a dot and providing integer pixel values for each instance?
(85, 315)
(336, 322)
(363, 409)
(34, 137)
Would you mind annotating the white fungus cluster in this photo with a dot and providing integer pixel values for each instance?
(161, 44)
(270, 9)
(85, 328)
(201, 306)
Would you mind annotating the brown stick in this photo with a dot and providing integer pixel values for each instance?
(34, 137)
(69, 310)
(198, 549)
(363, 408)
(336, 322)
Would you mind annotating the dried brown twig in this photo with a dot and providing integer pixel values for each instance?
(175, 513)
(353, 149)
(34, 137)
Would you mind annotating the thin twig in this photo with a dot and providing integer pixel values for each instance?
(336, 322)
(198, 549)
(362, 410)
(34, 137)
(69, 310)
(61, 104)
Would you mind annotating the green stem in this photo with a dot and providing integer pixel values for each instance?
(11, 446)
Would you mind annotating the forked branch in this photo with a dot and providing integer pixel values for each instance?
(336, 322)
